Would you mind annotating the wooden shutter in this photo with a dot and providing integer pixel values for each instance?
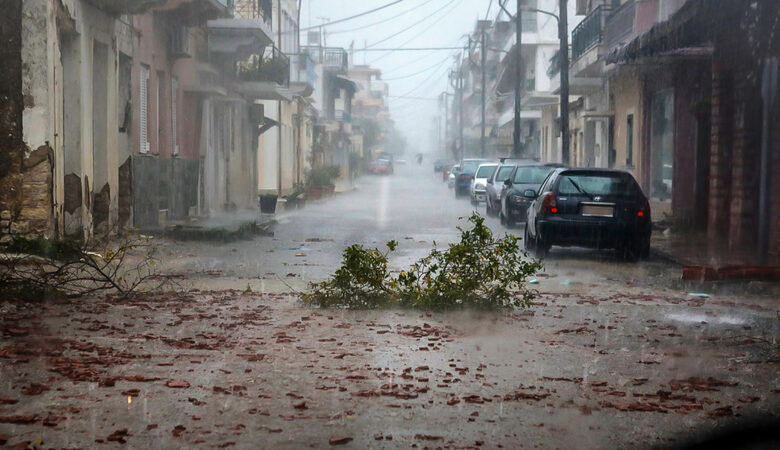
(144, 104)
(174, 115)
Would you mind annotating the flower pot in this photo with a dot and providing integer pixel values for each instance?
(268, 203)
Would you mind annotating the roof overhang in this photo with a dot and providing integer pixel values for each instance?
(301, 89)
(238, 37)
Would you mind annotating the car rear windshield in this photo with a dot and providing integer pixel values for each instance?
(486, 171)
(615, 185)
(532, 174)
(504, 172)
(470, 166)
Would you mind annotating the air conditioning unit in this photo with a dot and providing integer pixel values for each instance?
(179, 42)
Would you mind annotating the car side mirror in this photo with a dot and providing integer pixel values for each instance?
(490, 181)
(507, 182)
(529, 193)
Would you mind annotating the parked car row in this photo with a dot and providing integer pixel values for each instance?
(584, 207)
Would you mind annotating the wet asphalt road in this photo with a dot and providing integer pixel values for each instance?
(611, 355)
(413, 207)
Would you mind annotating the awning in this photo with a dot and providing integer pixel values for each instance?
(206, 89)
(346, 83)
(265, 90)
(691, 26)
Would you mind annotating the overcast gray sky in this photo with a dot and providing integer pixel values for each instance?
(442, 23)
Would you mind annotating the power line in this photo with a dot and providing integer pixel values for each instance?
(352, 17)
(381, 21)
(414, 98)
(405, 49)
(423, 31)
(417, 73)
(412, 25)
(422, 83)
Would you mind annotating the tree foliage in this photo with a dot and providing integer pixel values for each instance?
(480, 271)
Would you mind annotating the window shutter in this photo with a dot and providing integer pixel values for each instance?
(144, 109)
(174, 115)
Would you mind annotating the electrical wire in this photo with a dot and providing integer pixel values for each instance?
(365, 13)
(423, 31)
(381, 21)
(412, 25)
(418, 73)
(422, 83)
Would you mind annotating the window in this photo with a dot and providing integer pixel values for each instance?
(619, 185)
(486, 171)
(158, 123)
(504, 172)
(630, 140)
(174, 115)
(662, 145)
(144, 104)
(532, 174)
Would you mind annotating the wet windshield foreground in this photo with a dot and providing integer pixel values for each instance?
(263, 223)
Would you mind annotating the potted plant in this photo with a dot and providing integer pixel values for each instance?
(296, 199)
(320, 181)
(268, 203)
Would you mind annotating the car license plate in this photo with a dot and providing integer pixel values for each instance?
(598, 209)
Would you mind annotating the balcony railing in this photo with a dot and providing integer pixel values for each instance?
(273, 65)
(302, 69)
(588, 33)
(252, 9)
(620, 26)
(329, 57)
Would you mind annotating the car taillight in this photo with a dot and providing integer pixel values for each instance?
(549, 204)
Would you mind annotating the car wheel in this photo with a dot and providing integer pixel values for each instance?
(510, 220)
(541, 246)
(529, 244)
(629, 251)
(645, 253)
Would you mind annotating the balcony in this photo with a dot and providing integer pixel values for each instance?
(331, 58)
(588, 34)
(272, 66)
(302, 69)
(238, 38)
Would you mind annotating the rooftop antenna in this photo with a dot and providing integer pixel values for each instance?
(323, 33)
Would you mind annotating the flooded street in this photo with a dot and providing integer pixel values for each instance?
(610, 355)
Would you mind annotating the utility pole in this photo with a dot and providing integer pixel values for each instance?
(519, 75)
(446, 120)
(484, 88)
(563, 32)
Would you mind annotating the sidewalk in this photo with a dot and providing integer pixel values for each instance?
(706, 260)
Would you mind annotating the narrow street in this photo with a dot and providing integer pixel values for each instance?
(611, 354)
